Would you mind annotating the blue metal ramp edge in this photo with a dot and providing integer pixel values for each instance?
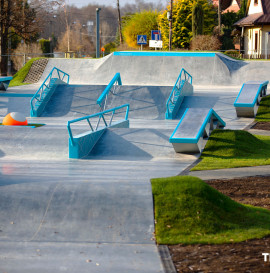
(4, 82)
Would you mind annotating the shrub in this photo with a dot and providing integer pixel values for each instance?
(205, 42)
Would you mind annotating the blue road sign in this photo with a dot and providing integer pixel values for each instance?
(156, 35)
(142, 39)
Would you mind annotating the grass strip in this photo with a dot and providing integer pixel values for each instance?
(189, 211)
(19, 77)
(36, 125)
(234, 148)
(263, 114)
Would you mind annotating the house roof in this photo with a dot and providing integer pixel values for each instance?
(257, 18)
(249, 20)
(227, 3)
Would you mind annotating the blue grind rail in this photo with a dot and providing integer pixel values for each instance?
(46, 90)
(103, 97)
(183, 87)
(82, 144)
(4, 82)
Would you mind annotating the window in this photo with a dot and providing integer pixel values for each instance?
(256, 41)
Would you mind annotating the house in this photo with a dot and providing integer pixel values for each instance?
(228, 5)
(255, 29)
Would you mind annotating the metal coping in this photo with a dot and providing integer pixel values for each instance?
(163, 54)
(3, 78)
(196, 139)
(237, 104)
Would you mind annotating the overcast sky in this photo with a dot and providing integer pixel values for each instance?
(81, 3)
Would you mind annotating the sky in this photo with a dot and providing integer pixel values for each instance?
(81, 3)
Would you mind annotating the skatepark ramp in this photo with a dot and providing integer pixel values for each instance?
(183, 87)
(161, 68)
(42, 96)
(195, 126)
(249, 97)
(81, 145)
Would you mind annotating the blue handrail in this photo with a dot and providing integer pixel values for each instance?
(39, 95)
(183, 77)
(100, 115)
(115, 79)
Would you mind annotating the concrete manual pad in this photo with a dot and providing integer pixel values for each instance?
(78, 257)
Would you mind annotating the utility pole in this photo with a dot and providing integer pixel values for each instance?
(119, 23)
(219, 16)
(170, 25)
(97, 30)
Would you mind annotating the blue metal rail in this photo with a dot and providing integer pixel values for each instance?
(183, 77)
(45, 91)
(116, 80)
(101, 116)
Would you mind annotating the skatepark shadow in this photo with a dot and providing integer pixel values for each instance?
(148, 102)
(76, 100)
(196, 102)
(113, 146)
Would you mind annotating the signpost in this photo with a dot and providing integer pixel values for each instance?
(141, 40)
(156, 35)
(155, 39)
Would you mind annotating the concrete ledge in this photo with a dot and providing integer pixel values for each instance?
(249, 97)
(195, 126)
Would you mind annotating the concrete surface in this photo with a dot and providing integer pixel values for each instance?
(96, 214)
(233, 173)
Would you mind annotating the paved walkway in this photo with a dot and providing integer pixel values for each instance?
(232, 173)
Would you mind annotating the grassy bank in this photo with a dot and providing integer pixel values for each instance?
(188, 211)
(234, 148)
(19, 77)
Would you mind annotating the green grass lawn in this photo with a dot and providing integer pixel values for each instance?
(234, 148)
(188, 211)
(19, 77)
(263, 113)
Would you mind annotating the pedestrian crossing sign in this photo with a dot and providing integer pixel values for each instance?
(141, 39)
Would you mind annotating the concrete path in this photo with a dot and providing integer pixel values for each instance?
(232, 173)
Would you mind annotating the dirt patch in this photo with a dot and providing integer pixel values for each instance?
(236, 257)
(262, 126)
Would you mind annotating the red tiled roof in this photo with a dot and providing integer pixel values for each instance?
(226, 3)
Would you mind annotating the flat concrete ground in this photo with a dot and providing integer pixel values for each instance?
(95, 214)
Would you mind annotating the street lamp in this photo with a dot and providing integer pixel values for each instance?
(97, 41)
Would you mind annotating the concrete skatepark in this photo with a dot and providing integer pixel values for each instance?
(96, 214)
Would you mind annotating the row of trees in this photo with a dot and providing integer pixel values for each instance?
(189, 20)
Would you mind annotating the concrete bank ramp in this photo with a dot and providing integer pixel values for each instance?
(161, 68)
(34, 143)
(74, 101)
(134, 144)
